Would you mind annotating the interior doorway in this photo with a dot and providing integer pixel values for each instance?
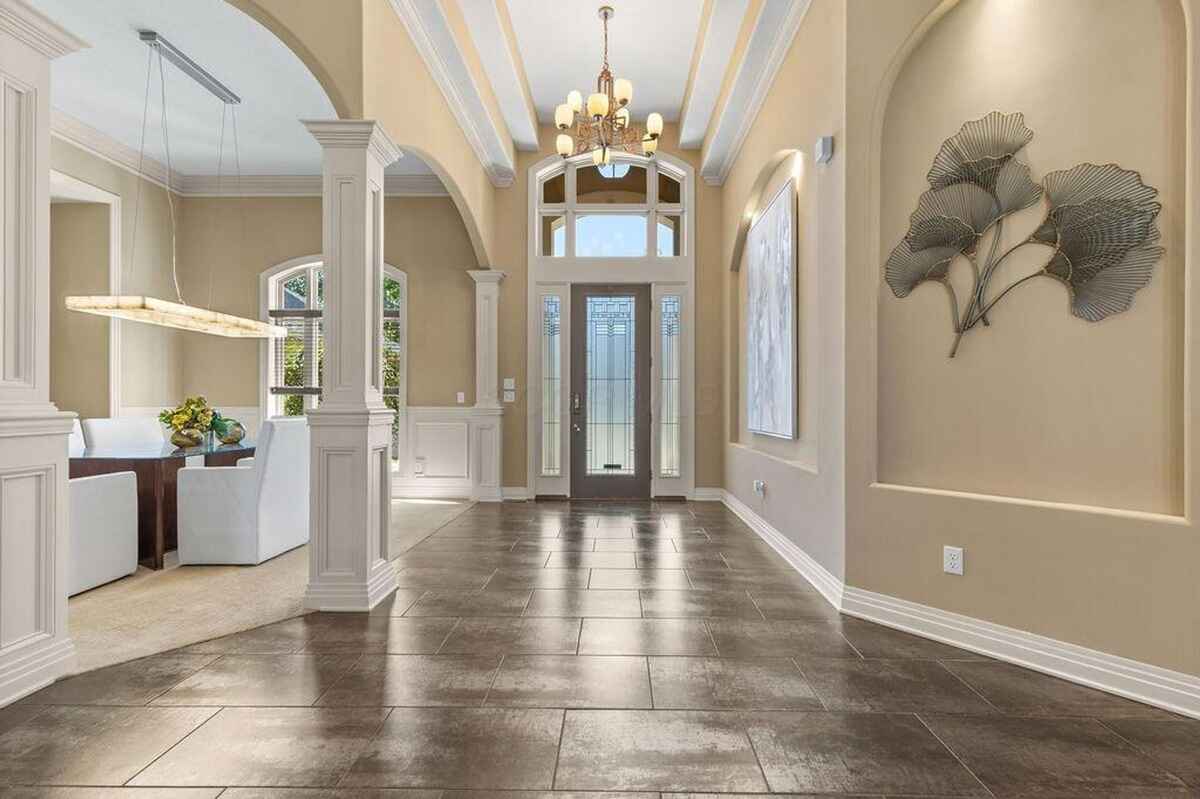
(610, 391)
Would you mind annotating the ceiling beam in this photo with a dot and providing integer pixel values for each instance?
(719, 37)
(769, 42)
(491, 30)
(434, 38)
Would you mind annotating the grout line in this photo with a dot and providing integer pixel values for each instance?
(970, 687)
(558, 751)
(492, 684)
(954, 754)
(649, 681)
(216, 712)
(446, 637)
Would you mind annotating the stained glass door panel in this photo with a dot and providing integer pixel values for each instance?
(609, 404)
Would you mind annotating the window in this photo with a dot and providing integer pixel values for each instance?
(670, 362)
(630, 208)
(551, 386)
(296, 302)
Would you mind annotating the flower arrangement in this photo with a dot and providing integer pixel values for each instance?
(195, 417)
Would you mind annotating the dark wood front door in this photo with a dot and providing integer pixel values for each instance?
(610, 391)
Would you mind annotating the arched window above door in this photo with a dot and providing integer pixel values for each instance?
(631, 208)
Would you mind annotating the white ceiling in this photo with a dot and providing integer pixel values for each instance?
(104, 86)
(649, 42)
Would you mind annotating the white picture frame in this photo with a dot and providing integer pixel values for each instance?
(771, 326)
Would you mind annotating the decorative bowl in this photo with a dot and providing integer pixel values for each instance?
(187, 437)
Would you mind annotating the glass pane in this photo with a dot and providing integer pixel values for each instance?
(551, 386)
(611, 386)
(554, 236)
(393, 354)
(291, 405)
(320, 274)
(295, 292)
(668, 415)
(610, 235)
(393, 294)
(669, 237)
(614, 183)
(554, 190)
(668, 189)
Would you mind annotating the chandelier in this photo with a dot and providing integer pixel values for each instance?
(603, 125)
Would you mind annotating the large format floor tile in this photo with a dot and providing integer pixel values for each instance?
(668, 750)
(92, 745)
(462, 748)
(856, 753)
(586, 650)
(1072, 757)
(267, 746)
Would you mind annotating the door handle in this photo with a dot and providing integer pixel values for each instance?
(575, 427)
(575, 406)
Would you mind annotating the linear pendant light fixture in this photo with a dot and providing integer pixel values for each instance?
(151, 310)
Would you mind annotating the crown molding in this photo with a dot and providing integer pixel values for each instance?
(37, 30)
(774, 30)
(491, 31)
(426, 23)
(87, 138)
(716, 48)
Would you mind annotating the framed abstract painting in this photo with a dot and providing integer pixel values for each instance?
(771, 364)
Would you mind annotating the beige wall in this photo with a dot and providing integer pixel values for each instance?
(512, 221)
(1121, 581)
(804, 496)
(1096, 417)
(151, 357)
(230, 241)
(79, 254)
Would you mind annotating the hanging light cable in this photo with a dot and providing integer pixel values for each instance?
(152, 310)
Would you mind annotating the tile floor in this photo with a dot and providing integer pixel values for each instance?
(631, 650)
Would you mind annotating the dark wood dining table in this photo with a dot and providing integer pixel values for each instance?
(156, 469)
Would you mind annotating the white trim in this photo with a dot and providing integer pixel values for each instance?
(515, 493)
(490, 33)
(1143, 682)
(67, 187)
(426, 23)
(774, 30)
(720, 38)
(78, 134)
(708, 494)
(474, 471)
(25, 24)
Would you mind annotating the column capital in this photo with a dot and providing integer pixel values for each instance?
(354, 134)
(487, 275)
(37, 30)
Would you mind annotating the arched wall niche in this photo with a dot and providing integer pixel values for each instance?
(1080, 566)
(354, 50)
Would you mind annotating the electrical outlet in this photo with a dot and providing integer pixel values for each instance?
(760, 488)
(419, 466)
(461, 397)
(952, 560)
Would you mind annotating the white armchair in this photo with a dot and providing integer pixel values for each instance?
(123, 431)
(247, 513)
(103, 525)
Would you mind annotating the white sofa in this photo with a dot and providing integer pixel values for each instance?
(249, 513)
(103, 525)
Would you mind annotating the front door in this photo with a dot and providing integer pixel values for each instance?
(610, 391)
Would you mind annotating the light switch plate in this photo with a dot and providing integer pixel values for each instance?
(461, 397)
(510, 395)
(510, 383)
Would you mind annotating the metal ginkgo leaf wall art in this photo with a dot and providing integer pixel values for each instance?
(1100, 225)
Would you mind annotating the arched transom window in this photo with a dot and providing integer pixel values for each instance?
(627, 209)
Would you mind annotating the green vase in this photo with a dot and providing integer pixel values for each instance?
(234, 432)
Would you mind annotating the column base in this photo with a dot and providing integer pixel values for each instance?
(334, 596)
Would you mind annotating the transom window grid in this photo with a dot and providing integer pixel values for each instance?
(642, 216)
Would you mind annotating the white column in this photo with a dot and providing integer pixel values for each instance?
(487, 334)
(34, 647)
(350, 471)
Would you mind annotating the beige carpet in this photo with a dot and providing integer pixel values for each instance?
(152, 611)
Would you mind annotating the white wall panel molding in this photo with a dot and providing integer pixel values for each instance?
(450, 451)
(426, 23)
(716, 48)
(774, 30)
(1154, 685)
(35, 648)
(491, 32)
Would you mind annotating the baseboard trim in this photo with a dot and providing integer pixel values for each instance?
(515, 493)
(708, 494)
(43, 663)
(1142, 682)
(431, 488)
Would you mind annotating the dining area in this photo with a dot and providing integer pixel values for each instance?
(189, 483)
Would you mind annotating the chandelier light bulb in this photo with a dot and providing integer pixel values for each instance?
(564, 116)
(575, 100)
(622, 117)
(654, 124)
(649, 145)
(597, 105)
(565, 145)
(622, 91)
